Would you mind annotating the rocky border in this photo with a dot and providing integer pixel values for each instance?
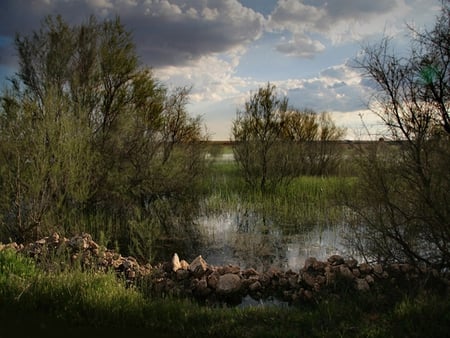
(213, 284)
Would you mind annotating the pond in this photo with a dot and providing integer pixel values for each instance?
(251, 241)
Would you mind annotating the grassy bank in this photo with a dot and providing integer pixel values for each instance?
(32, 300)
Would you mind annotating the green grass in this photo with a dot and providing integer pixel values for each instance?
(32, 300)
(307, 202)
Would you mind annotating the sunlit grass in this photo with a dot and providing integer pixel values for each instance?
(32, 299)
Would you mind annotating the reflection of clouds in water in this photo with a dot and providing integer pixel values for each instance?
(249, 241)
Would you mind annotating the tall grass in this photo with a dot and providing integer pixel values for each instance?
(306, 202)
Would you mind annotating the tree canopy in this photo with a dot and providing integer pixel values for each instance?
(275, 142)
(87, 132)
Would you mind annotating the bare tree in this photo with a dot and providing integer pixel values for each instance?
(405, 186)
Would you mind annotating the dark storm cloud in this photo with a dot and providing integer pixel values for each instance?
(167, 32)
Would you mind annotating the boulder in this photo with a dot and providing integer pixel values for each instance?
(229, 284)
(198, 266)
(336, 260)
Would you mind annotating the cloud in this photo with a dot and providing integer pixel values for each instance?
(302, 46)
(337, 21)
(167, 32)
(336, 88)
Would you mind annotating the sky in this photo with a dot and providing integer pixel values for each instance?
(227, 49)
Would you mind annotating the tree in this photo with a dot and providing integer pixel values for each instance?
(275, 143)
(88, 134)
(313, 135)
(403, 207)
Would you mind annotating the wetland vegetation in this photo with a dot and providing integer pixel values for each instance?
(91, 141)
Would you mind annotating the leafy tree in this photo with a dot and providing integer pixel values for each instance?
(89, 136)
(274, 143)
(313, 135)
(257, 131)
(405, 186)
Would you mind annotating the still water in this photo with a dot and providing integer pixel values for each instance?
(250, 241)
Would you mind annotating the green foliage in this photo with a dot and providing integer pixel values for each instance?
(15, 271)
(307, 202)
(75, 300)
(274, 144)
(92, 141)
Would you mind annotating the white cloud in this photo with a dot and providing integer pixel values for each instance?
(212, 76)
(338, 21)
(302, 46)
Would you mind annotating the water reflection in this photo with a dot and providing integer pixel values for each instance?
(251, 241)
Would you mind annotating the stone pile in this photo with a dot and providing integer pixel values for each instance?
(316, 279)
(230, 283)
(81, 250)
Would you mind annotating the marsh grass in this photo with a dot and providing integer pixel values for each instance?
(307, 202)
(32, 300)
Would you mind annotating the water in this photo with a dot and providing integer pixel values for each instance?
(250, 241)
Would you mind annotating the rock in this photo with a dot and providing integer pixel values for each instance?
(198, 266)
(351, 263)
(378, 269)
(250, 272)
(369, 279)
(201, 288)
(176, 264)
(182, 274)
(345, 272)
(356, 272)
(362, 284)
(54, 238)
(79, 243)
(184, 264)
(336, 260)
(365, 268)
(256, 286)
(230, 269)
(309, 263)
(308, 279)
(228, 284)
(213, 280)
